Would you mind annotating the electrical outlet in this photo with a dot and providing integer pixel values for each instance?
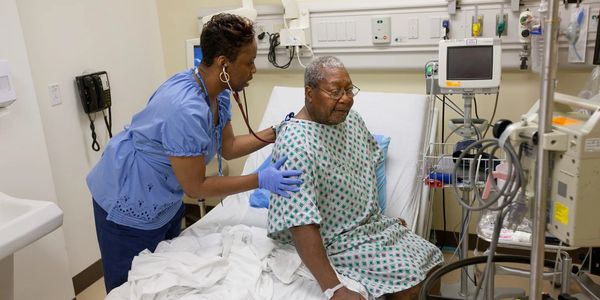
(381, 30)
(292, 37)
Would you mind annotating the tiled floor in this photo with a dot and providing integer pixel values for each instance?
(97, 292)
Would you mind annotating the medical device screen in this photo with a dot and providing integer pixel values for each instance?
(197, 55)
(470, 63)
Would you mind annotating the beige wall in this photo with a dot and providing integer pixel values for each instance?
(64, 39)
(519, 89)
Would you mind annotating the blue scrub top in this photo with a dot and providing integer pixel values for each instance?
(133, 181)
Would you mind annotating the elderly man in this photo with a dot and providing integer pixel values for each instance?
(334, 220)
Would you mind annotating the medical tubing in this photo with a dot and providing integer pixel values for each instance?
(478, 134)
(491, 250)
(511, 195)
(272, 55)
(298, 56)
(298, 53)
(493, 114)
(236, 96)
(455, 105)
(475, 105)
(513, 183)
(454, 108)
(428, 283)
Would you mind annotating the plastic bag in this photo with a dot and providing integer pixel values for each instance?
(485, 228)
(592, 86)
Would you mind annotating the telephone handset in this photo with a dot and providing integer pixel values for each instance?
(94, 92)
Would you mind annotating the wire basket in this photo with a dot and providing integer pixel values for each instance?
(440, 160)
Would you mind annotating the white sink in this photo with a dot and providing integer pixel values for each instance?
(22, 222)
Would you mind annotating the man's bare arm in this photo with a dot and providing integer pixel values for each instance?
(309, 245)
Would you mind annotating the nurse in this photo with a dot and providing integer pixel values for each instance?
(138, 184)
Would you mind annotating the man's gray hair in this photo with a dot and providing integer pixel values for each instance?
(314, 71)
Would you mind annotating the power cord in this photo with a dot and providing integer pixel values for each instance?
(493, 114)
(273, 43)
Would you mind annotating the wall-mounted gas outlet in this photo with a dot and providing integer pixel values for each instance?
(476, 25)
(501, 25)
(381, 30)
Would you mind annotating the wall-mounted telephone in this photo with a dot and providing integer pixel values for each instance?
(94, 92)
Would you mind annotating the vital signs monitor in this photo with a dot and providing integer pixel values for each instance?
(470, 65)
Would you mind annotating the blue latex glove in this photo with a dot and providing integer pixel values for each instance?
(279, 182)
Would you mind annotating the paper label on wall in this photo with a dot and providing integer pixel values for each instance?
(104, 79)
(561, 213)
(592, 145)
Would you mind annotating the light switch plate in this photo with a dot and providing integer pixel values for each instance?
(413, 28)
(7, 89)
(54, 92)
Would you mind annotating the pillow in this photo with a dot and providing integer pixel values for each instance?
(260, 197)
(383, 142)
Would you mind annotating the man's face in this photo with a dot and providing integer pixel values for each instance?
(322, 103)
(241, 70)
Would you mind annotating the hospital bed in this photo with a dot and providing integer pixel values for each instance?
(226, 255)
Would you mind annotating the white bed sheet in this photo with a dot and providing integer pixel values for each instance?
(402, 117)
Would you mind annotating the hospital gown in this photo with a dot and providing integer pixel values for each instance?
(340, 194)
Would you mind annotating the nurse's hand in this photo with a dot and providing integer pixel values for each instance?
(279, 181)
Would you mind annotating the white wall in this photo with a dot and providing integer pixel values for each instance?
(41, 269)
(65, 38)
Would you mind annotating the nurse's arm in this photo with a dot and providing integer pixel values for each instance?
(190, 172)
(238, 146)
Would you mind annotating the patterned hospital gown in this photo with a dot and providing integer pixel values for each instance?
(340, 193)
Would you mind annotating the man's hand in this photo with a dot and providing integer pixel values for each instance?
(346, 294)
(402, 222)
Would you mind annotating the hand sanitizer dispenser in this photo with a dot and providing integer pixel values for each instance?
(7, 89)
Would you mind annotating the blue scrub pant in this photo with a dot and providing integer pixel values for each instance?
(119, 244)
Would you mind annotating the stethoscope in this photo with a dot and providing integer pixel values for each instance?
(224, 77)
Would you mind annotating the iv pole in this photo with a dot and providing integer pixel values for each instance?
(542, 184)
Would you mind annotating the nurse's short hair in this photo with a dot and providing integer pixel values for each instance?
(314, 71)
(225, 34)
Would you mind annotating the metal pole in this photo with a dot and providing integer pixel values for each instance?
(468, 100)
(464, 250)
(542, 184)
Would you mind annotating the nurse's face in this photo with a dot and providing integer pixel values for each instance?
(242, 68)
(323, 102)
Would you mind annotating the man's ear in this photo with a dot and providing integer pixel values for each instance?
(308, 94)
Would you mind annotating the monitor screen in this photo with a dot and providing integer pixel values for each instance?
(470, 63)
(197, 55)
